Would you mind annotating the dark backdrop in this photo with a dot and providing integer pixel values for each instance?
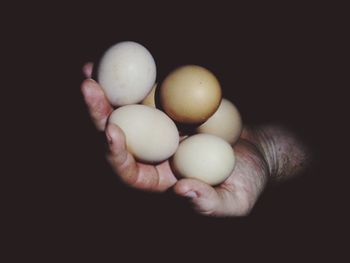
(274, 62)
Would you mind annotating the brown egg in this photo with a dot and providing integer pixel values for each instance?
(190, 94)
(149, 100)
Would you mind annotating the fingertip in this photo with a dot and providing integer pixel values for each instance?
(108, 136)
(203, 197)
(114, 131)
(116, 138)
(181, 188)
(192, 188)
(191, 194)
(184, 191)
(87, 69)
(110, 133)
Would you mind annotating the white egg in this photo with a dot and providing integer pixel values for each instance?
(127, 72)
(151, 136)
(204, 157)
(225, 123)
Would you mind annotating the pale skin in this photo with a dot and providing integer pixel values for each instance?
(268, 153)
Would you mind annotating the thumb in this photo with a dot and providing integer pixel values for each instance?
(123, 163)
(203, 196)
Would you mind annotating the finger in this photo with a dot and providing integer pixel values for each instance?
(166, 177)
(97, 103)
(87, 69)
(138, 175)
(203, 196)
(121, 160)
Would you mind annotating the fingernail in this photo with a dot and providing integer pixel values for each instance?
(109, 137)
(191, 194)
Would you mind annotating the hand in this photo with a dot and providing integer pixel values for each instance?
(143, 176)
(234, 197)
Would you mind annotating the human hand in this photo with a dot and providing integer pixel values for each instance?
(234, 197)
(139, 175)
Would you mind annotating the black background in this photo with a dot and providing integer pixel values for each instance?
(276, 63)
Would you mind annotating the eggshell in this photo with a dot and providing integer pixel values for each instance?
(150, 100)
(225, 123)
(126, 72)
(190, 94)
(204, 157)
(151, 136)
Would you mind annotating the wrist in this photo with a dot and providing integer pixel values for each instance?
(285, 154)
(251, 173)
(263, 146)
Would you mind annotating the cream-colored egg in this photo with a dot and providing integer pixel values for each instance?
(150, 99)
(225, 123)
(204, 157)
(151, 136)
(126, 72)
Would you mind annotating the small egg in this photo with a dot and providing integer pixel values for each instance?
(204, 157)
(151, 136)
(150, 100)
(225, 123)
(190, 94)
(126, 72)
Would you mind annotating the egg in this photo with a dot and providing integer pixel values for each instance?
(126, 72)
(190, 94)
(204, 157)
(150, 100)
(225, 123)
(151, 136)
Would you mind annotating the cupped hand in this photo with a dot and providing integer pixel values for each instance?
(234, 197)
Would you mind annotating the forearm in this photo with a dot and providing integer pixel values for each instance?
(285, 154)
